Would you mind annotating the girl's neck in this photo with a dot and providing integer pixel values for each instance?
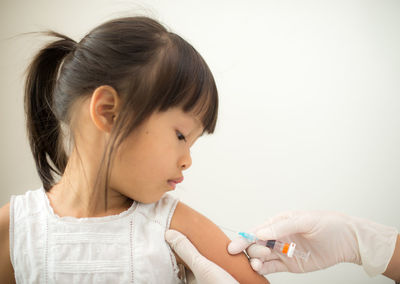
(68, 202)
(73, 195)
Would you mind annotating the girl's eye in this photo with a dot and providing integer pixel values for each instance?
(180, 136)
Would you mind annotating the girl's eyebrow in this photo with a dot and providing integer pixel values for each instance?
(198, 123)
(195, 120)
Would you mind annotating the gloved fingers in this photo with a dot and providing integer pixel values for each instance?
(190, 278)
(272, 256)
(258, 251)
(184, 248)
(237, 245)
(256, 264)
(273, 266)
(204, 270)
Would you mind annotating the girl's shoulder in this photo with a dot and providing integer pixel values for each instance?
(6, 269)
(4, 221)
(162, 210)
(27, 204)
(4, 228)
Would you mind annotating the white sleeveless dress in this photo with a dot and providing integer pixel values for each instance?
(124, 248)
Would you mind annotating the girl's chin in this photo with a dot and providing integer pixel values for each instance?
(151, 199)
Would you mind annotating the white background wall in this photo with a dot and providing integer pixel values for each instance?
(309, 106)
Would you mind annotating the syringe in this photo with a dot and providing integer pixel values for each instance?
(288, 249)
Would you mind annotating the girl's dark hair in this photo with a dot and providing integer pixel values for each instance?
(151, 68)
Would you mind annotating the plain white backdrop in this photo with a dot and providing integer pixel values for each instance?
(309, 112)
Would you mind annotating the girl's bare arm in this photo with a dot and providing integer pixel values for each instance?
(393, 269)
(211, 242)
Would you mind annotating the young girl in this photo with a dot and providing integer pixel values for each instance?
(114, 116)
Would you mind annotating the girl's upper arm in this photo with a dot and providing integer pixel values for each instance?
(6, 269)
(211, 242)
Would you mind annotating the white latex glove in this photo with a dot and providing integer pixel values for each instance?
(331, 238)
(204, 270)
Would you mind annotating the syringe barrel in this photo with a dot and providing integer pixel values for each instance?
(284, 248)
(288, 249)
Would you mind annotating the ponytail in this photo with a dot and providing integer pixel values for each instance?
(43, 127)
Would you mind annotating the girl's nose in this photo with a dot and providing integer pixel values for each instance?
(186, 161)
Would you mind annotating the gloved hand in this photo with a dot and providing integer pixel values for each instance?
(204, 270)
(331, 238)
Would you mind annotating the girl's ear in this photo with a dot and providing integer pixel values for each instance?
(104, 107)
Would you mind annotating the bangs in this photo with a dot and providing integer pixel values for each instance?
(185, 80)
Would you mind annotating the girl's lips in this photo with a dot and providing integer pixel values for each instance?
(179, 180)
(174, 182)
